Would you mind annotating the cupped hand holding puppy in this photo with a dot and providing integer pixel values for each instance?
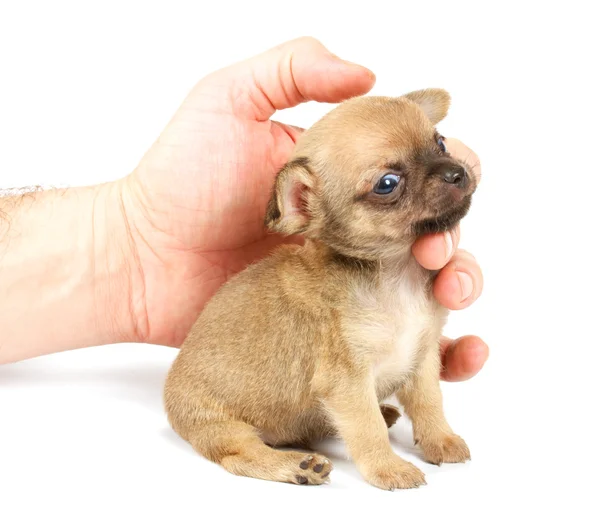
(197, 199)
(137, 259)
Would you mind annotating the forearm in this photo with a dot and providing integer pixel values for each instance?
(66, 274)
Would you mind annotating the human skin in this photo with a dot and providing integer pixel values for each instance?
(135, 260)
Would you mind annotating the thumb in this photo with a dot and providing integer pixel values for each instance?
(297, 71)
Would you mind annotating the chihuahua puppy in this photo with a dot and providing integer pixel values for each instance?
(306, 343)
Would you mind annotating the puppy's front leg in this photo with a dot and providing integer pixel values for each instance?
(355, 411)
(422, 400)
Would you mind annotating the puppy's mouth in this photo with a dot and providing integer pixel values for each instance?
(443, 222)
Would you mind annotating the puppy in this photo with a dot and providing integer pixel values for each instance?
(306, 343)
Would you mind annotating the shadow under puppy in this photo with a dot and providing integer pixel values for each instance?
(306, 343)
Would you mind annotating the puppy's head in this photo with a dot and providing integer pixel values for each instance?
(371, 176)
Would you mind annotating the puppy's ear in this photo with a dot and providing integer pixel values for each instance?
(433, 101)
(286, 211)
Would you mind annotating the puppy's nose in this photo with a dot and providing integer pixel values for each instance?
(455, 175)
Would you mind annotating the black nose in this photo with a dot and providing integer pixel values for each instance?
(456, 176)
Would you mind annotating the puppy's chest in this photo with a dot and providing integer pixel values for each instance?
(393, 320)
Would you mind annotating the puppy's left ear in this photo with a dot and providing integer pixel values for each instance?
(287, 209)
(433, 101)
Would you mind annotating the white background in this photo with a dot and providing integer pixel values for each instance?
(85, 87)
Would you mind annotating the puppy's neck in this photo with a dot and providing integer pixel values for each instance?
(396, 264)
(405, 268)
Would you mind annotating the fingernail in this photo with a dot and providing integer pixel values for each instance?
(466, 285)
(449, 245)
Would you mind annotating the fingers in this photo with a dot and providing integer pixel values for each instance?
(462, 358)
(461, 152)
(433, 251)
(294, 72)
(460, 283)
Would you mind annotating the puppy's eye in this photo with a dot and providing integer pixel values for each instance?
(387, 184)
(441, 144)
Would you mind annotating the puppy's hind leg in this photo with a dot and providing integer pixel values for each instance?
(238, 448)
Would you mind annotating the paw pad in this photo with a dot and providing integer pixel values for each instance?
(314, 470)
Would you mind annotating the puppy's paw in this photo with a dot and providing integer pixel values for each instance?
(395, 473)
(390, 414)
(444, 448)
(311, 469)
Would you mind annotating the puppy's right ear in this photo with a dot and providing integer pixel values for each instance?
(287, 209)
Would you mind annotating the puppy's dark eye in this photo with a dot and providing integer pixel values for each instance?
(441, 144)
(387, 184)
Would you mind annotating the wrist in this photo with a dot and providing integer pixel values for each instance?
(67, 272)
(117, 277)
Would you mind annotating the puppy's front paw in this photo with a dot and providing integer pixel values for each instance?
(444, 448)
(394, 473)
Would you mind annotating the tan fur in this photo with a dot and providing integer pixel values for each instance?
(307, 342)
